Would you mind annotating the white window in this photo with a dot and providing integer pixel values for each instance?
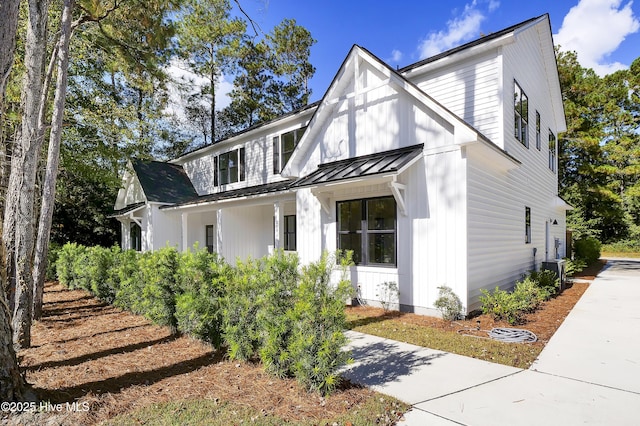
(552, 151)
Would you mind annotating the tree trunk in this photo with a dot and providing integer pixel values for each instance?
(53, 159)
(18, 226)
(8, 27)
(12, 385)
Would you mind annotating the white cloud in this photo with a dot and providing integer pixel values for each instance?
(459, 30)
(595, 29)
(182, 78)
(396, 56)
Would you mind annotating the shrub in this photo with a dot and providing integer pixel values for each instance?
(623, 246)
(102, 272)
(275, 306)
(158, 273)
(240, 327)
(318, 325)
(388, 294)
(546, 280)
(202, 278)
(448, 303)
(528, 295)
(130, 281)
(501, 305)
(52, 259)
(69, 266)
(575, 266)
(587, 249)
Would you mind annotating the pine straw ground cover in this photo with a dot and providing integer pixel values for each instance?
(462, 337)
(111, 363)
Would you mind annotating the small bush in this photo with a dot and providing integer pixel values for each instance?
(52, 259)
(103, 276)
(158, 270)
(202, 278)
(130, 281)
(70, 266)
(575, 266)
(319, 321)
(388, 295)
(448, 303)
(587, 249)
(240, 307)
(275, 306)
(501, 305)
(624, 246)
(546, 280)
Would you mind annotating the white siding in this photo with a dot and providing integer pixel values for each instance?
(165, 229)
(246, 232)
(498, 254)
(471, 90)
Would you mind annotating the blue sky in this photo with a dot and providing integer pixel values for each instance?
(604, 33)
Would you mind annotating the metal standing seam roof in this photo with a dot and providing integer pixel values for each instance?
(367, 165)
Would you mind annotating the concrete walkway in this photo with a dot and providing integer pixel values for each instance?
(589, 372)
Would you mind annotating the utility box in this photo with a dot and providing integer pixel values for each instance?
(558, 266)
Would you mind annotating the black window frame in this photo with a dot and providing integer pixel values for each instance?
(553, 146)
(538, 132)
(366, 233)
(135, 237)
(223, 174)
(209, 241)
(290, 235)
(527, 225)
(281, 154)
(521, 114)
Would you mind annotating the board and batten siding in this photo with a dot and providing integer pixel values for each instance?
(471, 90)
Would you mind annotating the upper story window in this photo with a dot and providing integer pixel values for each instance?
(283, 147)
(229, 167)
(538, 137)
(552, 151)
(521, 115)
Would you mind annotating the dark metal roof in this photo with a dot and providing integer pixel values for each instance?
(238, 193)
(164, 182)
(126, 209)
(468, 45)
(366, 165)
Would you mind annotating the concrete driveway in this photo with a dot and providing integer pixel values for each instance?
(589, 372)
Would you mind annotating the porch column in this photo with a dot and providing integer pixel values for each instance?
(185, 231)
(278, 227)
(218, 236)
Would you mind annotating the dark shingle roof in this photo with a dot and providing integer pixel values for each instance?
(241, 192)
(164, 182)
(366, 165)
(468, 45)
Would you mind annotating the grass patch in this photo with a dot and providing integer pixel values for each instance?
(631, 254)
(393, 327)
(378, 409)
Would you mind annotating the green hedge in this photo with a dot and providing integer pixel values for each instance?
(290, 318)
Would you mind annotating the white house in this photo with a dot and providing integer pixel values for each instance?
(440, 173)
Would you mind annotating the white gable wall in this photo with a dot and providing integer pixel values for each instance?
(431, 237)
(471, 90)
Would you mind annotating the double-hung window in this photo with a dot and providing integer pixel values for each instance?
(283, 147)
(229, 167)
(368, 227)
(521, 115)
(552, 151)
